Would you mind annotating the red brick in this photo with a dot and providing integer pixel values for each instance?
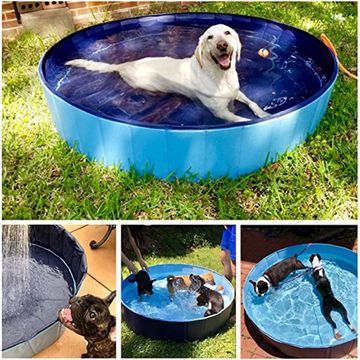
(9, 24)
(10, 15)
(96, 3)
(76, 4)
(3, 17)
(7, 7)
(128, 4)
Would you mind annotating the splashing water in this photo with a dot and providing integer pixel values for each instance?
(15, 256)
(33, 291)
(159, 306)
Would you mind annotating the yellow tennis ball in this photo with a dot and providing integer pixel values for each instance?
(263, 52)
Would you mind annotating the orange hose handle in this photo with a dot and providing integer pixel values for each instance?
(330, 45)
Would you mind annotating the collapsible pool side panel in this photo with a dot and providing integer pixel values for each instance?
(346, 259)
(57, 245)
(180, 331)
(179, 149)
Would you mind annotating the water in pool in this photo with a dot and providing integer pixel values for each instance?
(32, 291)
(292, 314)
(41, 297)
(281, 80)
(159, 306)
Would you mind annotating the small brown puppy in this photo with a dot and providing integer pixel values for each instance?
(183, 282)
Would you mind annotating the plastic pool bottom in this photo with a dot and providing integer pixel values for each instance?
(295, 308)
(278, 82)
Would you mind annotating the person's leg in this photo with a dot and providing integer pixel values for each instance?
(226, 261)
(233, 268)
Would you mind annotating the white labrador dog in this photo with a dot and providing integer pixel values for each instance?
(209, 75)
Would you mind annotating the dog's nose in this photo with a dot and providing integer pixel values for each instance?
(222, 45)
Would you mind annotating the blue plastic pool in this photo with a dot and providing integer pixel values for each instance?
(36, 327)
(171, 135)
(158, 317)
(291, 317)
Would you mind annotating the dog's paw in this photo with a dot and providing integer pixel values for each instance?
(261, 113)
(352, 328)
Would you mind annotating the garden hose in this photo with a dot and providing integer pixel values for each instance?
(330, 45)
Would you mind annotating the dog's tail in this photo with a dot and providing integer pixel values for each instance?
(94, 65)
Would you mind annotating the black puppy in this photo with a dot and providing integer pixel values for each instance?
(275, 274)
(207, 297)
(89, 316)
(329, 302)
(144, 284)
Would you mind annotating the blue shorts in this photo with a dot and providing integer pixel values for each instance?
(228, 241)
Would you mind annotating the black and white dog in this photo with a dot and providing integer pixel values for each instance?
(329, 302)
(206, 297)
(275, 274)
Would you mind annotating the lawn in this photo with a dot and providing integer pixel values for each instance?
(182, 247)
(43, 178)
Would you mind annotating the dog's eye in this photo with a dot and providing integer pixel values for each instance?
(92, 315)
(210, 37)
(74, 325)
(227, 32)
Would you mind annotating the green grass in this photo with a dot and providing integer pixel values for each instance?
(45, 179)
(221, 345)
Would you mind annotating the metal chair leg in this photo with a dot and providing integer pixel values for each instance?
(96, 244)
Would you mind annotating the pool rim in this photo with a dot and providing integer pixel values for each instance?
(308, 101)
(181, 321)
(297, 346)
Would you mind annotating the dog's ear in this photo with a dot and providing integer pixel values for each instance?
(109, 299)
(238, 46)
(200, 50)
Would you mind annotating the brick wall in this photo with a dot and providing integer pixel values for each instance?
(83, 12)
(10, 26)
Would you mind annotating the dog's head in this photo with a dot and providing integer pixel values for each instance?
(196, 282)
(315, 260)
(261, 286)
(89, 316)
(219, 45)
(145, 284)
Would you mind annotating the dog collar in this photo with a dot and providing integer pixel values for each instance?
(267, 277)
(318, 268)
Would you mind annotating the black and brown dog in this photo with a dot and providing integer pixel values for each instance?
(182, 282)
(329, 302)
(89, 316)
(207, 296)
